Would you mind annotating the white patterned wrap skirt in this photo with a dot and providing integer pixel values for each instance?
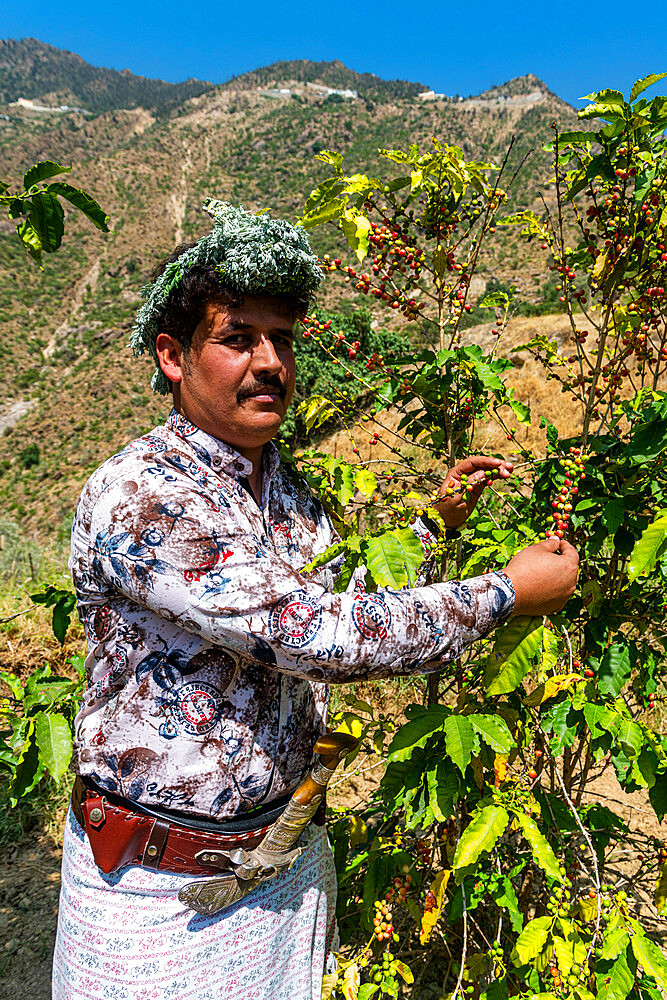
(127, 937)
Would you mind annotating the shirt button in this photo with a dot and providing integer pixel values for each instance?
(238, 465)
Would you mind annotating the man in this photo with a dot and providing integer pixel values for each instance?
(209, 650)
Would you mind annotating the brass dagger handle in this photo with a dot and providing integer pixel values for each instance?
(284, 833)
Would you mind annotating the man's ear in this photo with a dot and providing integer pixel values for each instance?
(170, 356)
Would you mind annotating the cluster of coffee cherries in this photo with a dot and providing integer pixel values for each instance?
(559, 900)
(574, 468)
(383, 927)
(312, 327)
(567, 284)
(496, 952)
(424, 853)
(577, 976)
(386, 967)
(400, 886)
(393, 257)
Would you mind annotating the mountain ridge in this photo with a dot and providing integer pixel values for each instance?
(32, 69)
(68, 381)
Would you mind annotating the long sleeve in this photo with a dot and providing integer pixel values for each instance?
(203, 571)
(208, 649)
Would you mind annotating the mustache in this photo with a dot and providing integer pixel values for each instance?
(268, 382)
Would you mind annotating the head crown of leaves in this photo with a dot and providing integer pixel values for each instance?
(253, 255)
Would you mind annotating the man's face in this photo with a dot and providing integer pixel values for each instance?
(237, 379)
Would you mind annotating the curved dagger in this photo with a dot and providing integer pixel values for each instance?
(276, 852)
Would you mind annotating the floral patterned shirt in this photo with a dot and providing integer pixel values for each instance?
(209, 651)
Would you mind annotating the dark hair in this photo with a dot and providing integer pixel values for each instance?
(201, 284)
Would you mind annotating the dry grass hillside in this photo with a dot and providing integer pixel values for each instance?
(68, 382)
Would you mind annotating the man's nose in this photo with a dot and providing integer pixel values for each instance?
(265, 357)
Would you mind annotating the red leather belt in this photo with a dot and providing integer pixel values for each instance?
(120, 836)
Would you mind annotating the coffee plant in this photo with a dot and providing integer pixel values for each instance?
(36, 207)
(484, 862)
(37, 715)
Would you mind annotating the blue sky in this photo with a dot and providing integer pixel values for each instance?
(453, 48)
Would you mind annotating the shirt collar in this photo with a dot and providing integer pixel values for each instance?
(219, 455)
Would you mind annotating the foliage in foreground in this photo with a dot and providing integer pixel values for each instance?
(38, 209)
(483, 862)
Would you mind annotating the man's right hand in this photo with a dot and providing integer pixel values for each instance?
(544, 576)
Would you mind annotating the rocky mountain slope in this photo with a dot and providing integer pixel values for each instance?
(150, 155)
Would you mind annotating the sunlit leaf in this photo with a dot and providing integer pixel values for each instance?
(480, 835)
(649, 547)
(641, 85)
(513, 654)
(532, 940)
(54, 741)
(393, 558)
(433, 904)
(539, 845)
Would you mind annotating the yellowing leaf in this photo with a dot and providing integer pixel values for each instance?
(358, 830)
(500, 768)
(329, 985)
(551, 645)
(351, 981)
(600, 266)
(432, 913)
(316, 410)
(404, 972)
(351, 724)
(587, 908)
(550, 688)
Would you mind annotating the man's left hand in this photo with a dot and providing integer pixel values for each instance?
(468, 479)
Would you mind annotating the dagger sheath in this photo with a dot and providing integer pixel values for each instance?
(276, 852)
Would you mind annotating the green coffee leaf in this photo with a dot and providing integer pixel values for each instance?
(539, 845)
(616, 982)
(504, 895)
(443, 789)
(28, 768)
(84, 202)
(344, 484)
(393, 558)
(47, 219)
(649, 547)
(480, 835)
(613, 515)
(42, 171)
(54, 740)
(513, 654)
(641, 85)
(29, 237)
(651, 958)
(494, 731)
(614, 942)
(614, 669)
(532, 940)
(416, 732)
(460, 740)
